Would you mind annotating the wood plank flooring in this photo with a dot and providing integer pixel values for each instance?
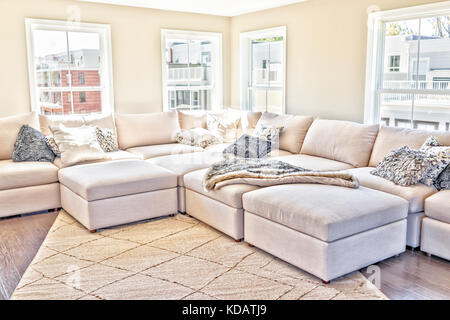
(412, 275)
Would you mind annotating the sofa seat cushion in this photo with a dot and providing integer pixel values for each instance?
(314, 163)
(182, 164)
(438, 206)
(415, 194)
(26, 174)
(231, 195)
(109, 156)
(116, 178)
(345, 141)
(159, 150)
(326, 212)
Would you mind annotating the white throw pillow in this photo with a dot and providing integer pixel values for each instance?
(225, 125)
(77, 144)
(198, 137)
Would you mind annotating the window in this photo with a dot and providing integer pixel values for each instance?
(413, 88)
(64, 58)
(81, 78)
(394, 63)
(263, 70)
(192, 70)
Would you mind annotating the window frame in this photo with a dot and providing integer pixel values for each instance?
(216, 39)
(245, 61)
(375, 49)
(104, 32)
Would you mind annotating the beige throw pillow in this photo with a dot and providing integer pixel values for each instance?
(77, 144)
(226, 126)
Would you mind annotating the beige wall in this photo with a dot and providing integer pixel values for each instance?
(326, 53)
(136, 49)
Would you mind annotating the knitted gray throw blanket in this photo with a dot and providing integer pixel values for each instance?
(264, 173)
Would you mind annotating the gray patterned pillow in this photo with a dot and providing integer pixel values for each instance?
(249, 147)
(404, 166)
(31, 146)
(440, 180)
(107, 139)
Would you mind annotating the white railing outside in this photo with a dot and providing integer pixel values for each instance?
(421, 85)
(187, 74)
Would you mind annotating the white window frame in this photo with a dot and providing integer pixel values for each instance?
(104, 32)
(217, 81)
(245, 61)
(375, 49)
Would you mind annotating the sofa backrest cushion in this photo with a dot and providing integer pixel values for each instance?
(192, 119)
(344, 141)
(73, 121)
(390, 138)
(294, 129)
(9, 130)
(135, 130)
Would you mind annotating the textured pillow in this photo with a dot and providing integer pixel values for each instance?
(198, 137)
(226, 126)
(268, 133)
(440, 175)
(404, 166)
(52, 145)
(77, 144)
(107, 139)
(31, 146)
(249, 147)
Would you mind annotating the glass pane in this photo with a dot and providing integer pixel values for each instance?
(432, 111)
(177, 58)
(260, 63)
(52, 102)
(258, 99)
(200, 71)
(275, 101)
(84, 57)
(50, 56)
(395, 109)
(276, 63)
(86, 102)
(400, 54)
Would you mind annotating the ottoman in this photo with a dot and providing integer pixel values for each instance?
(107, 194)
(436, 225)
(327, 231)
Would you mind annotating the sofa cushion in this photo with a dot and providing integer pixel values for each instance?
(135, 130)
(390, 138)
(415, 195)
(192, 119)
(294, 132)
(26, 174)
(72, 121)
(438, 206)
(231, 195)
(314, 163)
(109, 156)
(326, 212)
(116, 178)
(9, 129)
(158, 150)
(182, 164)
(345, 141)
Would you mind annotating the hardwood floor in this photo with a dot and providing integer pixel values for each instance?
(20, 239)
(412, 275)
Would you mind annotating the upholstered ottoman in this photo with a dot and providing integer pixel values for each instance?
(112, 193)
(327, 231)
(436, 226)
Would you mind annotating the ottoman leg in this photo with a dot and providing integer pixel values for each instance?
(238, 240)
(93, 231)
(325, 282)
(250, 245)
(172, 215)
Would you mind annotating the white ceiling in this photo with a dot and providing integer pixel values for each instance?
(227, 8)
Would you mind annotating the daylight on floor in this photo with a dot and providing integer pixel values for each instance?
(240, 152)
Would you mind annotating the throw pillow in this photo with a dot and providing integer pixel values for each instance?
(440, 178)
(268, 132)
(227, 127)
(53, 146)
(107, 139)
(404, 166)
(31, 146)
(77, 144)
(248, 146)
(198, 137)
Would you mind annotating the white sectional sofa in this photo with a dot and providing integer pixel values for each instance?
(294, 222)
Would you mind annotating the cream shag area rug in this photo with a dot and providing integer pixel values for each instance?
(169, 258)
